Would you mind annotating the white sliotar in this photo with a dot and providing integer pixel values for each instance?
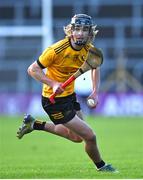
(91, 103)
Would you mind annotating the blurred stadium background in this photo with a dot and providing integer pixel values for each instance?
(27, 27)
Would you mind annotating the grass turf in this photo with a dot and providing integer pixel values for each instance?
(43, 155)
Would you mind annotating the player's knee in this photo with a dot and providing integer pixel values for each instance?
(91, 138)
(76, 139)
(79, 140)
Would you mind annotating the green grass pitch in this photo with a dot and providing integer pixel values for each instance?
(43, 155)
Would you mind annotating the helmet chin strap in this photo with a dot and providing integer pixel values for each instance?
(79, 43)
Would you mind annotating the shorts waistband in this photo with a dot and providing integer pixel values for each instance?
(60, 98)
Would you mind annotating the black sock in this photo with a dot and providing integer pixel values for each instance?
(100, 164)
(39, 125)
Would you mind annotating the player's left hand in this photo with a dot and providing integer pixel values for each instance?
(94, 96)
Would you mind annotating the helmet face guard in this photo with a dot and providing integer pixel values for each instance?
(81, 20)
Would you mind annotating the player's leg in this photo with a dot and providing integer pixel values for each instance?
(62, 131)
(75, 130)
(80, 128)
(61, 112)
(85, 132)
(80, 114)
(29, 124)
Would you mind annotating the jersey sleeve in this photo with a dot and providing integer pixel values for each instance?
(46, 58)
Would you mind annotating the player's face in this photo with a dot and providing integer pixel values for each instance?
(80, 34)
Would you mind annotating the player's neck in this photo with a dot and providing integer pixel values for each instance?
(75, 46)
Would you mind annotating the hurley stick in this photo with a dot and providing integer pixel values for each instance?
(93, 61)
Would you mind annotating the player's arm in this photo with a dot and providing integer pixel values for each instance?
(35, 71)
(95, 76)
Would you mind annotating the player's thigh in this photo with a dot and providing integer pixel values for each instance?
(61, 129)
(80, 127)
(80, 114)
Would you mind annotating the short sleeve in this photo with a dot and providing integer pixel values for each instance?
(46, 58)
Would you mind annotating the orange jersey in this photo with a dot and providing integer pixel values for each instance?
(61, 61)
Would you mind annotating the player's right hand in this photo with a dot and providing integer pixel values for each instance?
(57, 88)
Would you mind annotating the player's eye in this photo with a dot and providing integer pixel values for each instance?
(86, 28)
(77, 28)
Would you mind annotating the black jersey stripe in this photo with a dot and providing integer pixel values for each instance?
(56, 50)
(61, 46)
(62, 49)
(67, 42)
(41, 66)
